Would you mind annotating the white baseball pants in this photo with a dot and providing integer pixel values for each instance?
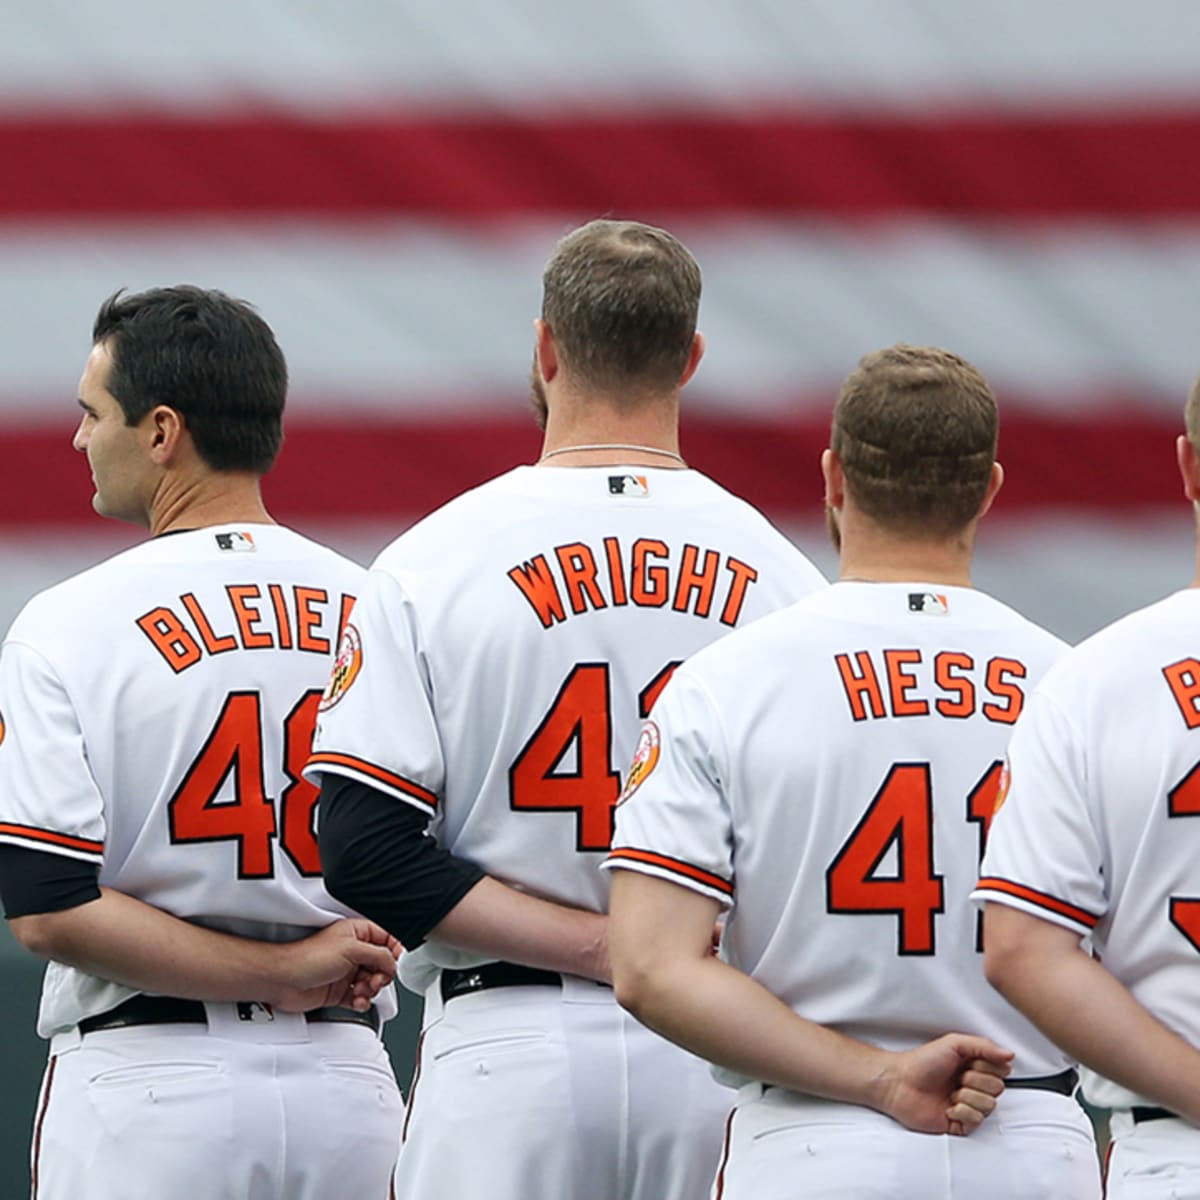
(784, 1146)
(548, 1093)
(1154, 1160)
(284, 1110)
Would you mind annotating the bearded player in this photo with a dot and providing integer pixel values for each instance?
(213, 1026)
(490, 689)
(1095, 849)
(826, 776)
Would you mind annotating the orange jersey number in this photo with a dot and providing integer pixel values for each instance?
(1183, 800)
(577, 728)
(901, 815)
(249, 817)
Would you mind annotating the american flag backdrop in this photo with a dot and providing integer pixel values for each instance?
(1019, 182)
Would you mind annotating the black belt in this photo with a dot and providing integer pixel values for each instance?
(1149, 1112)
(494, 975)
(169, 1010)
(1064, 1083)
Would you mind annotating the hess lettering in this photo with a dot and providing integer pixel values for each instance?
(577, 578)
(900, 683)
(252, 617)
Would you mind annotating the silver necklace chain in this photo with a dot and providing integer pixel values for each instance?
(615, 446)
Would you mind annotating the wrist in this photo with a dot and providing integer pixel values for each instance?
(273, 971)
(881, 1078)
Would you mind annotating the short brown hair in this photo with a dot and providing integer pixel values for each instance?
(621, 299)
(915, 429)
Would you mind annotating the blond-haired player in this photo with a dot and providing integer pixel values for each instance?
(827, 775)
(209, 1013)
(490, 688)
(1097, 847)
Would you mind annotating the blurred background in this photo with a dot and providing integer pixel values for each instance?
(1017, 182)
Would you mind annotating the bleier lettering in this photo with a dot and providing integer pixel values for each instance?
(576, 578)
(277, 617)
(899, 683)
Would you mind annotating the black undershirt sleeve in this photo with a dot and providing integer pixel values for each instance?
(37, 881)
(379, 860)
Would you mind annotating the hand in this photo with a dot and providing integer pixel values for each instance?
(948, 1085)
(347, 963)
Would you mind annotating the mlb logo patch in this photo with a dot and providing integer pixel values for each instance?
(254, 1011)
(628, 485)
(932, 603)
(235, 541)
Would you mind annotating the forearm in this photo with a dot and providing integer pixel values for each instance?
(503, 923)
(121, 938)
(1087, 1011)
(727, 1018)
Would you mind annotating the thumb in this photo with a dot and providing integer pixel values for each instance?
(969, 1046)
(377, 960)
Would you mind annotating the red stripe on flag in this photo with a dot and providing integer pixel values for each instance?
(1115, 164)
(370, 467)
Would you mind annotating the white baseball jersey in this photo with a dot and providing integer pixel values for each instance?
(828, 774)
(1100, 828)
(157, 712)
(506, 649)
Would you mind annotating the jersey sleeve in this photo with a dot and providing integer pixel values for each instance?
(376, 721)
(49, 800)
(1044, 853)
(673, 819)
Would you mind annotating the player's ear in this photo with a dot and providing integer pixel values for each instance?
(166, 433)
(545, 352)
(835, 479)
(1189, 467)
(995, 483)
(695, 354)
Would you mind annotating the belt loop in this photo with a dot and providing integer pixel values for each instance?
(66, 1041)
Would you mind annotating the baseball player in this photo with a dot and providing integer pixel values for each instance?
(827, 775)
(489, 687)
(156, 836)
(1091, 851)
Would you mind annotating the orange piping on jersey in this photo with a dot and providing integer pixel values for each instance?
(1183, 678)
(212, 643)
(616, 573)
(539, 588)
(66, 840)
(651, 585)
(1004, 689)
(169, 638)
(578, 566)
(901, 682)
(743, 576)
(675, 865)
(240, 595)
(701, 582)
(308, 620)
(991, 883)
(333, 759)
(282, 623)
(865, 683)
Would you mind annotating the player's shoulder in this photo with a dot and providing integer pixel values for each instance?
(457, 527)
(81, 604)
(1160, 631)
